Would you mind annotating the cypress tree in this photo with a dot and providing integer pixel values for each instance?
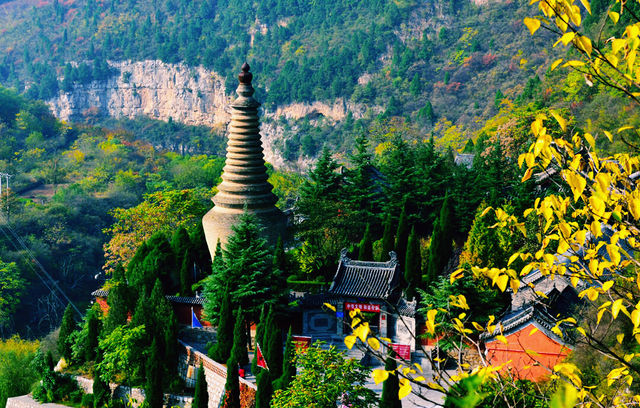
(259, 339)
(239, 350)
(185, 274)
(118, 274)
(441, 246)
(387, 239)
(412, 265)
(390, 387)
(118, 307)
(66, 328)
(288, 364)
(93, 331)
(265, 390)
(232, 386)
(365, 252)
(201, 396)
(101, 390)
(153, 393)
(273, 347)
(222, 349)
(402, 236)
(279, 257)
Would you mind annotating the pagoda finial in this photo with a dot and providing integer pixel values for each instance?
(245, 76)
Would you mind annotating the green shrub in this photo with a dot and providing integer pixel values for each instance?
(87, 401)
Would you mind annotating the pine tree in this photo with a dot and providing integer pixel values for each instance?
(259, 339)
(365, 248)
(101, 390)
(441, 246)
(232, 386)
(201, 396)
(118, 307)
(66, 328)
(387, 239)
(185, 274)
(239, 350)
(222, 349)
(273, 347)
(412, 265)
(402, 236)
(265, 390)
(288, 364)
(154, 395)
(390, 387)
(94, 325)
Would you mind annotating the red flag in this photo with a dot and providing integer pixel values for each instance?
(261, 362)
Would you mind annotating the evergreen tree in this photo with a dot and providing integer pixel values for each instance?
(118, 307)
(273, 347)
(180, 242)
(441, 246)
(360, 195)
(66, 328)
(154, 396)
(94, 326)
(185, 274)
(232, 386)
(413, 265)
(265, 390)
(259, 338)
(222, 349)
(201, 254)
(387, 239)
(288, 364)
(239, 350)
(200, 396)
(118, 275)
(402, 236)
(280, 257)
(365, 248)
(390, 387)
(248, 273)
(101, 390)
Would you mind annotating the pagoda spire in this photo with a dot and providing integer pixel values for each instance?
(244, 183)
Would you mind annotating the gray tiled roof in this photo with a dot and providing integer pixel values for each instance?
(174, 299)
(370, 280)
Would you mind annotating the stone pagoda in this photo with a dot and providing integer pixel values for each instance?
(244, 178)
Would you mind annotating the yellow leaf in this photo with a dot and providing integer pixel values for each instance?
(607, 285)
(576, 182)
(405, 388)
(502, 339)
(614, 16)
(349, 341)
(502, 282)
(513, 258)
(486, 210)
(456, 275)
(477, 326)
(527, 174)
(584, 43)
(590, 140)
(373, 343)
(533, 331)
(435, 386)
(615, 308)
(608, 135)
(379, 375)
(586, 5)
(635, 318)
(330, 306)
(567, 38)
(532, 24)
(420, 378)
(634, 207)
(559, 119)
(531, 353)
(620, 337)
(574, 63)
(556, 63)
(362, 332)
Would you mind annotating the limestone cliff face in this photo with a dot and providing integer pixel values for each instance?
(190, 95)
(193, 96)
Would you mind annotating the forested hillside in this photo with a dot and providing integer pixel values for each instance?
(438, 63)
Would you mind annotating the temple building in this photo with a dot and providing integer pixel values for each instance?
(244, 185)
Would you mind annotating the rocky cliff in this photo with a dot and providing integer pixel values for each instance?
(190, 95)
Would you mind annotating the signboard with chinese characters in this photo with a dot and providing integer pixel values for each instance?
(364, 307)
(402, 350)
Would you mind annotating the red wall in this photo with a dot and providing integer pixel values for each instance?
(183, 313)
(523, 365)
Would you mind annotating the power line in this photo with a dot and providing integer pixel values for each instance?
(39, 265)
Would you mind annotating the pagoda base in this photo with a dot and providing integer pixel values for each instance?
(218, 221)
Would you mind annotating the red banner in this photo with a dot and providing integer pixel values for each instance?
(364, 307)
(301, 342)
(402, 350)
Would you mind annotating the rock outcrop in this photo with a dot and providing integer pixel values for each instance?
(190, 95)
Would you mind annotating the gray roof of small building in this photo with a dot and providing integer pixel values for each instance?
(518, 319)
(366, 280)
(188, 300)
